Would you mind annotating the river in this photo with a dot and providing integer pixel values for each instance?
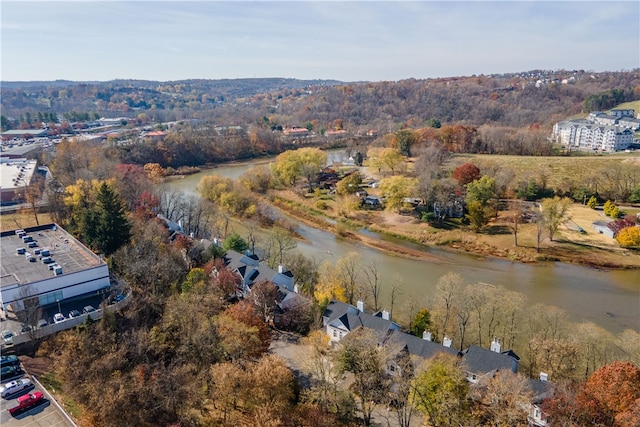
(610, 299)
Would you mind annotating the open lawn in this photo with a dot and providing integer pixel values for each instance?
(16, 220)
(558, 171)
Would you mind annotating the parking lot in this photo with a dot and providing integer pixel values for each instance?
(47, 413)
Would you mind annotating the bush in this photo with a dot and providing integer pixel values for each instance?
(593, 202)
(609, 207)
(321, 205)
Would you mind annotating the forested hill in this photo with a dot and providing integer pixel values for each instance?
(517, 99)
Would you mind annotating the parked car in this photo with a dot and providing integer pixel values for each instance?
(24, 328)
(11, 360)
(13, 387)
(88, 309)
(74, 313)
(9, 372)
(7, 336)
(58, 318)
(118, 298)
(42, 323)
(27, 402)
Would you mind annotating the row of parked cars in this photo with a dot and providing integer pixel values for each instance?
(16, 387)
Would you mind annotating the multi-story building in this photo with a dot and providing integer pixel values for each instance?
(601, 131)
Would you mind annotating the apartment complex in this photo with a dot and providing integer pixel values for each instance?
(600, 131)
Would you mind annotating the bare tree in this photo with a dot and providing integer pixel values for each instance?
(373, 284)
(396, 290)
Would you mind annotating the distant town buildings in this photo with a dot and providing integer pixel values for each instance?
(600, 131)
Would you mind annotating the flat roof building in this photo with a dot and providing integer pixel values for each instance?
(15, 175)
(45, 264)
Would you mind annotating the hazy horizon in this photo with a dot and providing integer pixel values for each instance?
(312, 40)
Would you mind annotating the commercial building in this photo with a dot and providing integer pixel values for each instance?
(15, 176)
(44, 265)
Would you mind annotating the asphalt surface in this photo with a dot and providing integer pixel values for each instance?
(46, 414)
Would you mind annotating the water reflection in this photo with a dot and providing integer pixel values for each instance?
(610, 299)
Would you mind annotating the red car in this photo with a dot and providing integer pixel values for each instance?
(26, 402)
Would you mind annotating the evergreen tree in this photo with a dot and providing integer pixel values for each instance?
(112, 229)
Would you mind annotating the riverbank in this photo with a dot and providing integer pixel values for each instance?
(406, 236)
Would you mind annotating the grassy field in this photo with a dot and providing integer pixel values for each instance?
(558, 170)
(16, 220)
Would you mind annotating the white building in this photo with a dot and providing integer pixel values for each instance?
(605, 132)
(45, 264)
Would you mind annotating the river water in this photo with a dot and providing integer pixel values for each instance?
(610, 299)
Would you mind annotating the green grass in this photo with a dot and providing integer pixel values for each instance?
(53, 384)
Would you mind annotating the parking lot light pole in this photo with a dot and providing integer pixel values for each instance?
(59, 310)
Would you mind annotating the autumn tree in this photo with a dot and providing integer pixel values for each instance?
(477, 215)
(270, 392)
(329, 286)
(610, 391)
(592, 202)
(466, 173)
(360, 355)
(503, 400)
(440, 391)
(396, 189)
(292, 164)
(243, 333)
(629, 236)
(555, 212)
(349, 184)
(325, 390)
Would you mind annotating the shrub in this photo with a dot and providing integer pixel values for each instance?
(321, 205)
(593, 202)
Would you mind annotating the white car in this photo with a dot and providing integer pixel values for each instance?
(58, 318)
(14, 386)
(7, 337)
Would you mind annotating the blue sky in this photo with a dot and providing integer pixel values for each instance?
(349, 41)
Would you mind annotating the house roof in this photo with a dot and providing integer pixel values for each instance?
(541, 389)
(345, 316)
(418, 346)
(251, 271)
(482, 360)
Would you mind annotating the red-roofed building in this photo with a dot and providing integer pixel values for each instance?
(295, 131)
(156, 136)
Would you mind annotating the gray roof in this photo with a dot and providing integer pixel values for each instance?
(249, 267)
(482, 360)
(340, 314)
(541, 389)
(418, 346)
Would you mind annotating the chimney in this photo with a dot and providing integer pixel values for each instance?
(280, 269)
(385, 314)
(495, 345)
(447, 341)
(426, 336)
(544, 376)
(360, 305)
(247, 252)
